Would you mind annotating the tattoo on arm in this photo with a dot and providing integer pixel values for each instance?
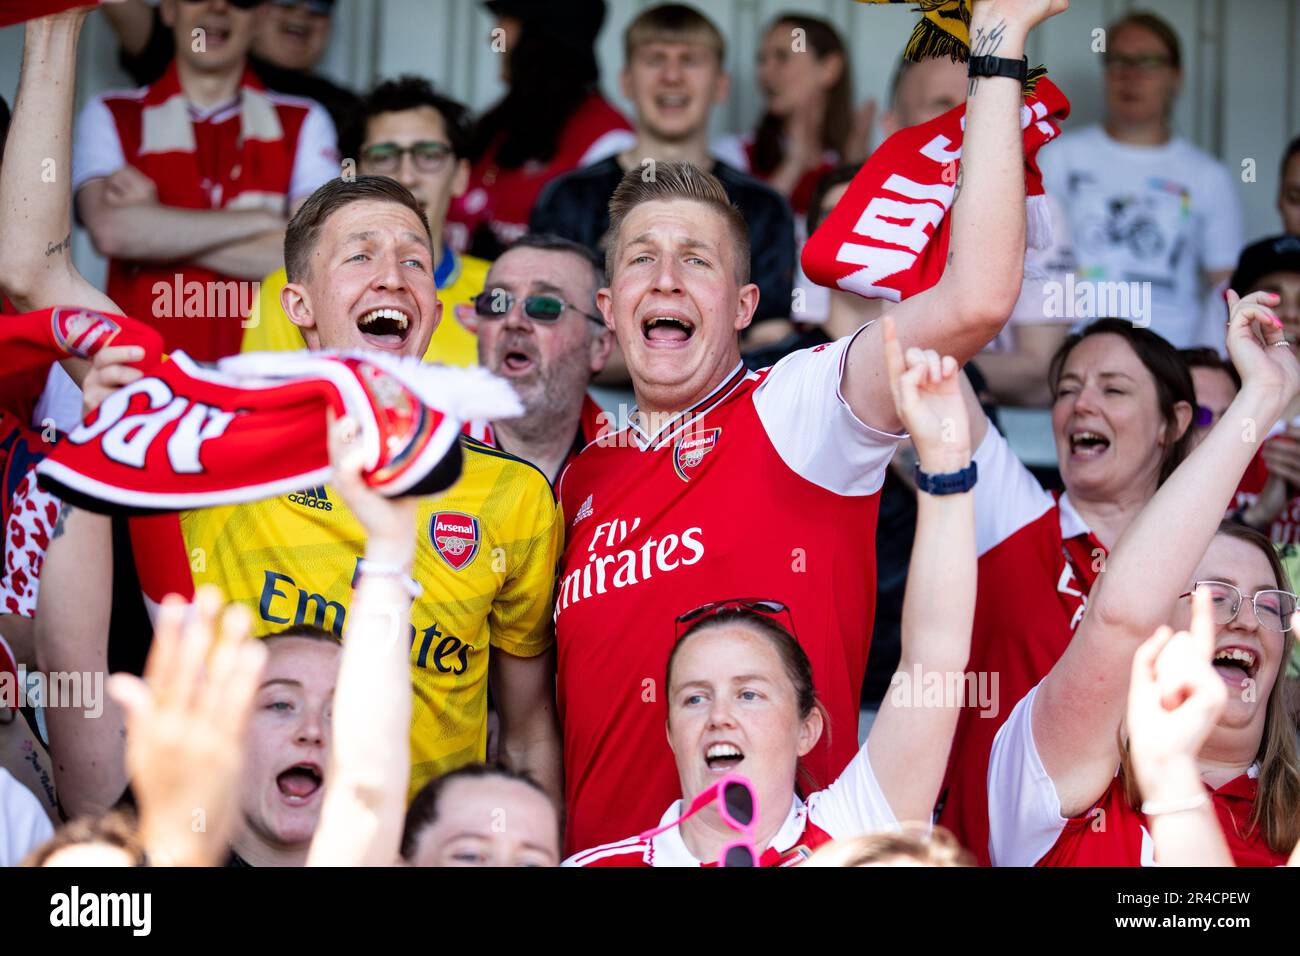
(58, 248)
(985, 43)
(58, 522)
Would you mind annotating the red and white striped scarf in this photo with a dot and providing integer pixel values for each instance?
(258, 174)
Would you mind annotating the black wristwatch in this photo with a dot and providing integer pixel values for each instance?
(952, 483)
(999, 66)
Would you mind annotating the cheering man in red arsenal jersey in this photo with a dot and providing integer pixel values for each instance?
(727, 484)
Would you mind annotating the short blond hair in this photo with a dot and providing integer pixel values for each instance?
(673, 23)
(915, 843)
(667, 182)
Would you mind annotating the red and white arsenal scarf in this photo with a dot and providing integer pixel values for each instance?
(189, 436)
(888, 237)
(257, 175)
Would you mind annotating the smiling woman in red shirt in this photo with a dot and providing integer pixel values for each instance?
(1055, 796)
(1120, 418)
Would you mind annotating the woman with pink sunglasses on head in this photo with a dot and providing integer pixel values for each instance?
(741, 704)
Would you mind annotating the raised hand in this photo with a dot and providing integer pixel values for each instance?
(185, 727)
(1259, 350)
(1175, 698)
(928, 399)
(389, 522)
(1026, 13)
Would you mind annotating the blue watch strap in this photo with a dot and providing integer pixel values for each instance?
(952, 483)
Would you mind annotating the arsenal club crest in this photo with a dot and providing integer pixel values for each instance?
(455, 537)
(691, 448)
(82, 332)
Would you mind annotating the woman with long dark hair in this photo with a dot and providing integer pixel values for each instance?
(552, 119)
(1061, 785)
(808, 126)
(1122, 405)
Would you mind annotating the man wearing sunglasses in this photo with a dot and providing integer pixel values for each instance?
(1145, 205)
(407, 131)
(189, 183)
(538, 328)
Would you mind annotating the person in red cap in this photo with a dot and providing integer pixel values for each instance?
(552, 119)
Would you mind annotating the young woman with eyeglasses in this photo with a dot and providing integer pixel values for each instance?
(741, 705)
(1061, 789)
(1122, 405)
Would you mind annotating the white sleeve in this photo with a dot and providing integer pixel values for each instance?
(1024, 811)
(96, 148)
(23, 824)
(854, 804)
(1219, 219)
(812, 427)
(316, 161)
(731, 150)
(1007, 495)
(608, 144)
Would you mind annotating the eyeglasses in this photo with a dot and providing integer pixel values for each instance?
(1273, 609)
(497, 303)
(1145, 62)
(738, 806)
(762, 606)
(320, 7)
(429, 156)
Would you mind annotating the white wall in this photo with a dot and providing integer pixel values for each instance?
(1241, 97)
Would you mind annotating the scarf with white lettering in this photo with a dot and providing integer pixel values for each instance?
(888, 237)
(254, 426)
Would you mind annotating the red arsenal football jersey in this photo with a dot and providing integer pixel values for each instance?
(853, 805)
(766, 488)
(1037, 564)
(1026, 827)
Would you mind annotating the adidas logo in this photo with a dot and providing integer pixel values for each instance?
(583, 512)
(312, 498)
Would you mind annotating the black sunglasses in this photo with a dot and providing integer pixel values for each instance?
(497, 303)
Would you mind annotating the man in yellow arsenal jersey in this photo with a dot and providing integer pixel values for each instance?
(360, 265)
(408, 131)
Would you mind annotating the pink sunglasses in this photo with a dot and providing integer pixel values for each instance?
(738, 806)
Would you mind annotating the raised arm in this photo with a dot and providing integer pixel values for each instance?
(73, 610)
(187, 724)
(964, 311)
(1174, 700)
(912, 735)
(35, 177)
(1079, 705)
(370, 760)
